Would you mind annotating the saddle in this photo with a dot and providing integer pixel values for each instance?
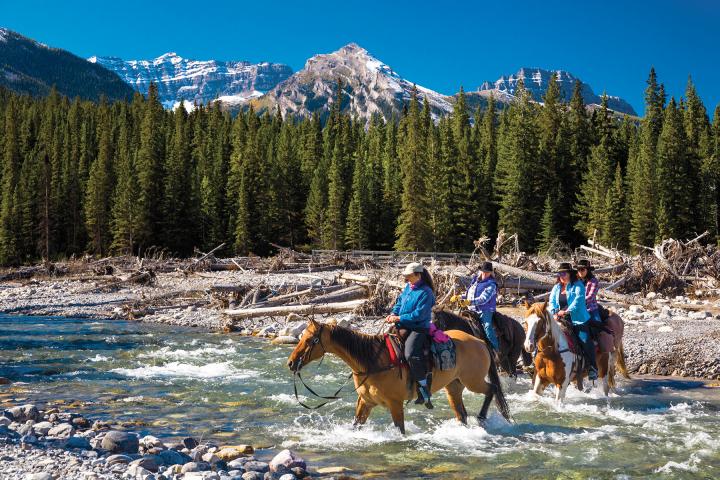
(439, 355)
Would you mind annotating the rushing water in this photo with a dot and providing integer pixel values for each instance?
(175, 382)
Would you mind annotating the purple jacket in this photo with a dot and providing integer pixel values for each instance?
(482, 295)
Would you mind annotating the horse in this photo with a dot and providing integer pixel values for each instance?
(379, 382)
(556, 363)
(511, 335)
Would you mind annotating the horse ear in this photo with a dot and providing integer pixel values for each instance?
(314, 323)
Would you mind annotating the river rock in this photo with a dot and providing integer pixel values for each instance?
(665, 329)
(636, 309)
(5, 381)
(196, 467)
(148, 442)
(148, 462)
(80, 422)
(284, 340)
(201, 476)
(78, 442)
(136, 471)
(117, 459)
(268, 331)
(252, 476)
(210, 458)
(700, 315)
(26, 428)
(62, 430)
(189, 443)
(120, 442)
(255, 466)
(39, 476)
(172, 457)
(24, 413)
(42, 428)
(232, 452)
(286, 459)
(288, 476)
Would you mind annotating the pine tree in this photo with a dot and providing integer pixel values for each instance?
(9, 253)
(335, 216)
(357, 230)
(125, 209)
(698, 133)
(616, 227)
(591, 208)
(548, 230)
(439, 185)
(676, 204)
(413, 232)
(149, 170)
(100, 188)
(519, 181)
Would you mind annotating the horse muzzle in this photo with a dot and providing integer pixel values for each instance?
(529, 346)
(294, 365)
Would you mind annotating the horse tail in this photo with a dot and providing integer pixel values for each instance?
(500, 400)
(620, 361)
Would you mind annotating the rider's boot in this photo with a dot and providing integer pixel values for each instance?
(592, 373)
(423, 388)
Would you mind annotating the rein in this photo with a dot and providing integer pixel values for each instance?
(335, 396)
(548, 329)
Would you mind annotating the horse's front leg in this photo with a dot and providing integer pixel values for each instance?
(398, 415)
(362, 412)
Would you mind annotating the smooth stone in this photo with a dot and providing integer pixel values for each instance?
(252, 476)
(172, 457)
(196, 467)
(62, 430)
(42, 428)
(24, 413)
(148, 441)
(78, 442)
(210, 458)
(117, 459)
(136, 471)
(201, 476)
(39, 476)
(255, 466)
(288, 476)
(148, 462)
(189, 443)
(116, 441)
(235, 451)
(286, 459)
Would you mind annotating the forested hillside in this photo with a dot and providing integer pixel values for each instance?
(97, 177)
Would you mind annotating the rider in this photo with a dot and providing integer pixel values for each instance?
(567, 298)
(482, 295)
(585, 270)
(413, 312)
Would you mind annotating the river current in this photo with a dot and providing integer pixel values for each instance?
(174, 382)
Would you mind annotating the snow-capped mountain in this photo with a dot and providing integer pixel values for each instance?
(370, 86)
(30, 67)
(200, 81)
(536, 82)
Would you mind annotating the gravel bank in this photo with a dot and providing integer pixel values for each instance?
(54, 445)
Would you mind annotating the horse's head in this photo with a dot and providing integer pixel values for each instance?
(309, 348)
(535, 324)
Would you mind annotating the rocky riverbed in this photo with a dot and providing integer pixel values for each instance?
(681, 337)
(55, 445)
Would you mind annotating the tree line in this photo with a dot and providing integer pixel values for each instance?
(80, 177)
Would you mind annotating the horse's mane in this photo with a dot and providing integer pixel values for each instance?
(366, 349)
(540, 309)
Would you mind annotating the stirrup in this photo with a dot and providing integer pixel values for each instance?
(424, 397)
(592, 374)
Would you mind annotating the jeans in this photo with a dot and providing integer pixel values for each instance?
(486, 318)
(582, 331)
(415, 353)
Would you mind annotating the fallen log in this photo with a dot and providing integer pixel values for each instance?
(299, 309)
(544, 279)
(353, 277)
(353, 292)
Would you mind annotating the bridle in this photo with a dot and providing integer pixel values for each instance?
(317, 340)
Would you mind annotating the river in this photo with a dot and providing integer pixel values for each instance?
(176, 382)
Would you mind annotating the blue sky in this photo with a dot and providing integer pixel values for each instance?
(440, 45)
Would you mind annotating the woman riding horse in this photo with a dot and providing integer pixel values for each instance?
(567, 298)
(413, 312)
(591, 282)
(482, 298)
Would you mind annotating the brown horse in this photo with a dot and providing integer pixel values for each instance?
(511, 335)
(377, 382)
(557, 364)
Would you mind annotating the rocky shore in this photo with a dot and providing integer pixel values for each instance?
(55, 445)
(680, 338)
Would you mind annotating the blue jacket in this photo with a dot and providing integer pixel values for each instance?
(414, 307)
(482, 294)
(576, 302)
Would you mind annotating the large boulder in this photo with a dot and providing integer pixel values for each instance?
(118, 459)
(256, 466)
(24, 413)
(116, 441)
(285, 461)
(196, 467)
(148, 462)
(173, 457)
(42, 428)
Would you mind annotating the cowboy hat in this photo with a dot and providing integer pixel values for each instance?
(486, 267)
(584, 263)
(565, 267)
(413, 267)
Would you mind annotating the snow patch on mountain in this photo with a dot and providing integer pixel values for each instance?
(196, 81)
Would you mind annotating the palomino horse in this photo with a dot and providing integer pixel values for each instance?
(557, 364)
(378, 382)
(511, 335)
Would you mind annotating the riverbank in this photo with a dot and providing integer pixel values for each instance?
(50, 444)
(680, 338)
